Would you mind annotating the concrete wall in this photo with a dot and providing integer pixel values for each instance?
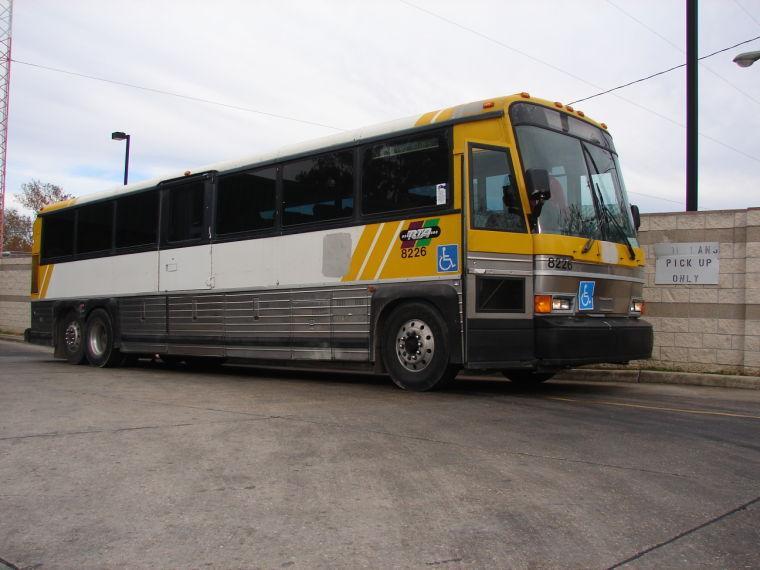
(15, 282)
(706, 328)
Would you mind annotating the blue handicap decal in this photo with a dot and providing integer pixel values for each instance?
(586, 295)
(448, 258)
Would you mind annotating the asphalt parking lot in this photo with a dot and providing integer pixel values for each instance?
(149, 467)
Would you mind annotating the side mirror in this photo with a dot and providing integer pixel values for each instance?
(636, 216)
(537, 181)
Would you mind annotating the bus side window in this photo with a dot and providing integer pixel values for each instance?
(137, 219)
(495, 199)
(405, 174)
(246, 201)
(58, 234)
(185, 205)
(95, 228)
(318, 189)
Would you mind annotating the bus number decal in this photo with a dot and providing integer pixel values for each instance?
(560, 263)
(409, 252)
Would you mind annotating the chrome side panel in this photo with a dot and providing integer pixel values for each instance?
(615, 285)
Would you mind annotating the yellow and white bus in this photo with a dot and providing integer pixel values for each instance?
(491, 235)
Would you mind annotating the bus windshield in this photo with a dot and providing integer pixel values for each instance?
(588, 198)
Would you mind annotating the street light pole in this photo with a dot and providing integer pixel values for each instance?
(692, 114)
(120, 136)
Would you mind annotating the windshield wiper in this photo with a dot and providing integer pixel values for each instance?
(610, 217)
(606, 214)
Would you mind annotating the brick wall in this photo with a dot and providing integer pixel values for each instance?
(15, 276)
(706, 328)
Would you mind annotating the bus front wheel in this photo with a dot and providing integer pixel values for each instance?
(99, 341)
(416, 348)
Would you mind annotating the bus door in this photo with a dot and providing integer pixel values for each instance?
(185, 257)
(499, 261)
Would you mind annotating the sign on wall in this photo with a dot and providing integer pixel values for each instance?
(687, 263)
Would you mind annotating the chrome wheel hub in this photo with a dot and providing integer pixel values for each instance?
(72, 337)
(98, 339)
(415, 345)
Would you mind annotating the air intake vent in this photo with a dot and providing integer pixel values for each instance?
(500, 295)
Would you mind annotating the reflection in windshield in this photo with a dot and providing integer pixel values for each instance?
(575, 207)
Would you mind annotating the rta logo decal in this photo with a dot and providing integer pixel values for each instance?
(420, 233)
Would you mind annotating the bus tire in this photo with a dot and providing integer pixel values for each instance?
(71, 337)
(415, 348)
(99, 341)
(527, 377)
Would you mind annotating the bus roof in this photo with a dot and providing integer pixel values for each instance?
(458, 112)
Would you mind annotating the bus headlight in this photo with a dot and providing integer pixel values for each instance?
(562, 303)
(637, 307)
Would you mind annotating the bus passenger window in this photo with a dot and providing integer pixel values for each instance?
(405, 174)
(58, 234)
(95, 228)
(318, 189)
(246, 201)
(137, 219)
(186, 212)
(495, 199)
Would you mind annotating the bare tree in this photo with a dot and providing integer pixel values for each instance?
(35, 195)
(18, 232)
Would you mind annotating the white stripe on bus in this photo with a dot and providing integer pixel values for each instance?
(388, 251)
(369, 253)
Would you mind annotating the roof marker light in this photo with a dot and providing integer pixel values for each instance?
(569, 108)
(525, 95)
(604, 126)
(581, 113)
(187, 173)
(558, 104)
(488, 104)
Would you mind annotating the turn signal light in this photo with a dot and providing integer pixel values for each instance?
(542, 303)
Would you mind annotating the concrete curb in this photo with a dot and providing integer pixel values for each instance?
(12, 337)
(661, 377)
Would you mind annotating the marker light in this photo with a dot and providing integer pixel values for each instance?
(637, 306)
(581, 114)
(569, 108)
(558, 104)
(542, 303)
(603, 126)
(488, 104)
(561, 304)
(525, 95)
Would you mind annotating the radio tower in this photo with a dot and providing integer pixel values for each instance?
(6, 21)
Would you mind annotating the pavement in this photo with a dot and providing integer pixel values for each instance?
(243, 467)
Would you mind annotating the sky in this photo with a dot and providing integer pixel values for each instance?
(346, 64)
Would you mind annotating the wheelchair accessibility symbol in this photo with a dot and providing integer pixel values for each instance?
(586, 295)
(448, 258)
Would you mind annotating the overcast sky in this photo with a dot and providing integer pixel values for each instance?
(347, 64)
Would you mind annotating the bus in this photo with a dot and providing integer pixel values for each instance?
(493, 235)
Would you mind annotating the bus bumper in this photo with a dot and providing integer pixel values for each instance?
(553, 342)
(572, 341)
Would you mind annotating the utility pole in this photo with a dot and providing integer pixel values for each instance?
(6, 24)
(692, 108)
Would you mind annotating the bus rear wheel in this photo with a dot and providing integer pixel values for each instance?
(99, 341)
(71, 337)
(527, 377)
(415, 348)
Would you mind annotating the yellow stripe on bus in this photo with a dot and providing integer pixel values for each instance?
(361, 253)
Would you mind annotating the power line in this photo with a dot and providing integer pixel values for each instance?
(664, 71)
(747, 12)
(578, 78)
(667, 41)
(679, 202)
(178, 95)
